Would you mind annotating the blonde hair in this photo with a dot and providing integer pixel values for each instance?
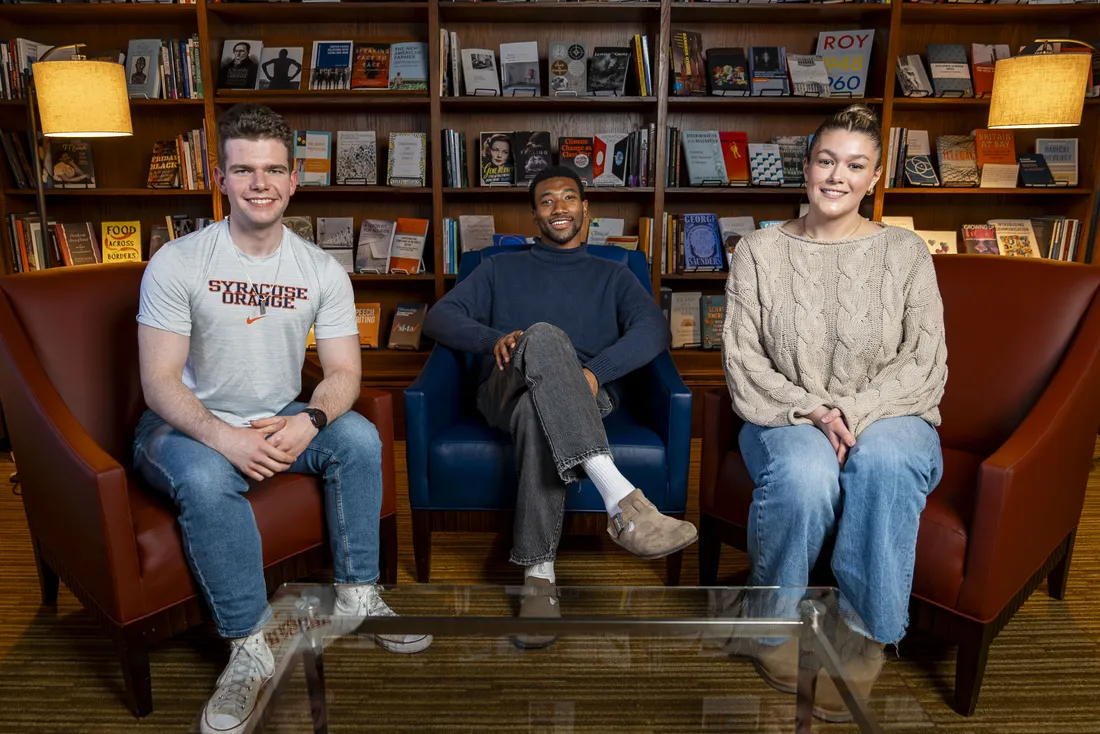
(855, 118)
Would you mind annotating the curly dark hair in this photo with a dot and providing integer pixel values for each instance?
(254, 122)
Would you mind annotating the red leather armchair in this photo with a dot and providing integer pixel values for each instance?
(72, 396)
(1019, 427)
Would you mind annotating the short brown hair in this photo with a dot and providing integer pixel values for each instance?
(855, 118)
(254, 122)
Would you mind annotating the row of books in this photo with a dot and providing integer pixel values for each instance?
(159, 68)
(75, 243)
(384, 246)
(247, 64)
(694, 319)
(1052, 237)
(838, 67)
(985, 158)
(727, 158)
(955, 75)
(405, 329)
(573, 72)
(181, 163)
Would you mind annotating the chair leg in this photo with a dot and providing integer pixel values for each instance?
(387, 531)
(133, 654)
(673, 564)
(422, 544)
(1059, 575)
(970, 667)
(47, 579)
(710, 553)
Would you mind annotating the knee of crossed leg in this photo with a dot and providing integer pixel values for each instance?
(542, 334)
(354, 440)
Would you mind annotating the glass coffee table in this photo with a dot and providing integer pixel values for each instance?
(639, 659)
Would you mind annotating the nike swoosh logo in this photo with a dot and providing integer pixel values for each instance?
(253, 320)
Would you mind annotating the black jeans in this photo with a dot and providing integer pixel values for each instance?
(543, 399)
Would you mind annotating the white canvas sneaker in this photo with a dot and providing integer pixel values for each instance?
(251, 664)
(355, 603)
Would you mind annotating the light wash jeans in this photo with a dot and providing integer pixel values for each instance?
(871, 507)
(543, 400)
(220, 537)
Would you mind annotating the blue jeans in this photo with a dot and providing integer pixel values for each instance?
(871, 507)
(220, 537)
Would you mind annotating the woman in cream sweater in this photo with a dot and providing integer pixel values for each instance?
(835, 358)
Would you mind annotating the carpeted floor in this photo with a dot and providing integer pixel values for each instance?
(59, 674)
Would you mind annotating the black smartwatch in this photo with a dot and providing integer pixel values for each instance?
(317, 417)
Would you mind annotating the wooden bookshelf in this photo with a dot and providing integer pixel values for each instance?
(900, 28)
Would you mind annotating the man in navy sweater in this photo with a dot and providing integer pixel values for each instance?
(556, 328)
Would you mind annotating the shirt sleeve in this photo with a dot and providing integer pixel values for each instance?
(165, 301)
(643, 328)
(460, 319)
(336, 310)
(761, 393)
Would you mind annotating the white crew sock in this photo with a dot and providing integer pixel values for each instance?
(611, 484)
(544, 570)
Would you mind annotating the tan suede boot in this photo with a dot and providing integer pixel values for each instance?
(645, 532)
(861, 661)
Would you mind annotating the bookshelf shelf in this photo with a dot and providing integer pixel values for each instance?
(735, 191)
(483, 105)
(362, 191)
(1021, 191)
(326, 99)
(592, 192)
(956, 103)
(98, 14)
(332, 12)
(761, 104)
(391, 278)
(577, 12)
(111, 192)
(1032, 15)
(140, 104)
(802, 13)
(696, 276)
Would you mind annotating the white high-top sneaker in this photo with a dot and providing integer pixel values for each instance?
(251, 664)
(359, 601)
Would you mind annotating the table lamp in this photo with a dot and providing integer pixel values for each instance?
(76, 98)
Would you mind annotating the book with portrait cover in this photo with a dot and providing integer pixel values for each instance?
(498, 164)
(532, 153)
(240, 64)
(69, 164)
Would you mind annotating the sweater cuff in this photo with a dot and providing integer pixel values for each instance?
(487, 339)
(602, 368)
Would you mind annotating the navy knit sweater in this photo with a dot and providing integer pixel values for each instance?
(614, 325)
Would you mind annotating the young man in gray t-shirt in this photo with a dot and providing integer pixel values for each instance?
(222, 330)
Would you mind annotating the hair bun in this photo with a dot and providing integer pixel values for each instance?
(859, 113)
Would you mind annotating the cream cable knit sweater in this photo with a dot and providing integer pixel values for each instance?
(853, 324)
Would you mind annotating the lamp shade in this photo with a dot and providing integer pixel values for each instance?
(82, 99)
(1044, 90)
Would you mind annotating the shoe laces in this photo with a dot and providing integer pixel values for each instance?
(368, 600)
(236, 682)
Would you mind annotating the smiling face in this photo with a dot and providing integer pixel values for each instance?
(259, 180)
(559, 211)
(499, 152)
(843, 166)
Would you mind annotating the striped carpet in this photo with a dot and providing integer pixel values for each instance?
(58, 673)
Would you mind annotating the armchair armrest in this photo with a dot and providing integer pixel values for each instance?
(721, 427)
(377, 407)
(672, 421)
(75, 494)
(1031, 491)
(433, 401)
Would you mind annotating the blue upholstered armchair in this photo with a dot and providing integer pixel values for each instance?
(462, 473)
